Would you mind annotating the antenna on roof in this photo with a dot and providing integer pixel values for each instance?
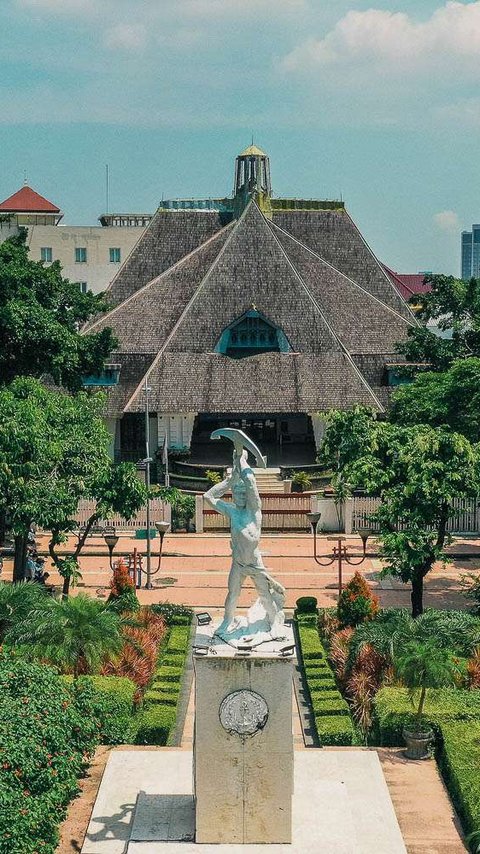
(107, 188)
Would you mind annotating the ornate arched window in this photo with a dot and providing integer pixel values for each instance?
(252, 333)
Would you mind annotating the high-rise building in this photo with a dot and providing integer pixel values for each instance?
(471, 253)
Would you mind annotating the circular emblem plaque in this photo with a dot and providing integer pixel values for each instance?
(243, 712)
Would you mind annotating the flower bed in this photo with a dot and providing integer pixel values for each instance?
(332, 716)
(156, 721)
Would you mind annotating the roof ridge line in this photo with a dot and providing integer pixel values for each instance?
(380, 267)
(344, 276)
(132, 250)
(329, 327)
(157, 278)
(191, 301)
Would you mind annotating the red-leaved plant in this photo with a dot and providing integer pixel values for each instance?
(139, 655)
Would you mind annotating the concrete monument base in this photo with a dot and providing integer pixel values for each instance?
(243, 748)
(341, 805)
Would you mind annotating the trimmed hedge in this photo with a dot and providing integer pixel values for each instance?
(393, 710)
(112, 700)
(332, 715)
(174, 615)
(459, 760)
(156, 721)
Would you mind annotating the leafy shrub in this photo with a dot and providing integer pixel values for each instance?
(473, 671)
(139, 655)
(155, 724)
(356, 604)
(47, 732)
(213, 477)
(174, 615)
(306, 605)
(338, 653)
(459, 760)
(335, 730)
(393, 710)
(123, 595)
(111, 699)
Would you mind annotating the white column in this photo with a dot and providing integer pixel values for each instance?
(318, 425)
(199, 514)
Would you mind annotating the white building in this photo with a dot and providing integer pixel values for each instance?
(90, 255)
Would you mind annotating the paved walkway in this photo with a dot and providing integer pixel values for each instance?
(195, 568)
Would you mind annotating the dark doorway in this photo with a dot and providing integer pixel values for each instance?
(286, 439)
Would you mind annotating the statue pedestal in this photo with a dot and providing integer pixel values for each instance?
(243, 747)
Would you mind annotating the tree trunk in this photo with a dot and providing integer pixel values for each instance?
(417, 594)
(21, 542)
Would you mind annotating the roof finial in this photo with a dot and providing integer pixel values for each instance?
(252, 137)
(24, 177)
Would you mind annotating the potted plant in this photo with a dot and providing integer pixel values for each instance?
(301, 482)
(421, 665)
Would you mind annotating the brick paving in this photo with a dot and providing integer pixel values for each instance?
(194, 570)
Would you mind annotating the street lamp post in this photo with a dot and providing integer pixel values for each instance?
(111, 541)
(147, 462)
(162, 528)
(339, 552)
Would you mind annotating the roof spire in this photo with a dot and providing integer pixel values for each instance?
(252, 177)
(25, 178)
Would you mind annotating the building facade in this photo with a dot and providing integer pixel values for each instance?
(89, 255)
(251, 311)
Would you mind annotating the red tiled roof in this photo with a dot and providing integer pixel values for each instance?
(408, 284)
(27, 200)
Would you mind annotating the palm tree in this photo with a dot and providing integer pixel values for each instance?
(16, 603)
(78, 634)
(392, 629)
(421, 665)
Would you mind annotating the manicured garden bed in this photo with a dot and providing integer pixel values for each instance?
(332, 716)
(155, 723)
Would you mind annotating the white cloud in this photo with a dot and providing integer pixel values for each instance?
(447, 221)
(126, 37)
(464, 113)
(396, 42)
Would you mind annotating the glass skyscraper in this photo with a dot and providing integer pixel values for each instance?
(471, 253)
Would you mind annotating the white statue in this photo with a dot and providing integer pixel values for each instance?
(245, 514)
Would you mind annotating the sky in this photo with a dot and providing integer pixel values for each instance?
(374, 102)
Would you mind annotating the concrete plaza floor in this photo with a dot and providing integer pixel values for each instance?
(341, 805)
(194, 570)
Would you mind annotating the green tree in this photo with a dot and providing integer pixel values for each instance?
(450, 397)
(454, 306)
(417, 472)
(40, 317)
(77, 634)
(54, 450)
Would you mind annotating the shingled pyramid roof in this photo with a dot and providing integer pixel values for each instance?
(169, 326)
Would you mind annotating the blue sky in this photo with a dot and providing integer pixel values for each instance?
(376, 101)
